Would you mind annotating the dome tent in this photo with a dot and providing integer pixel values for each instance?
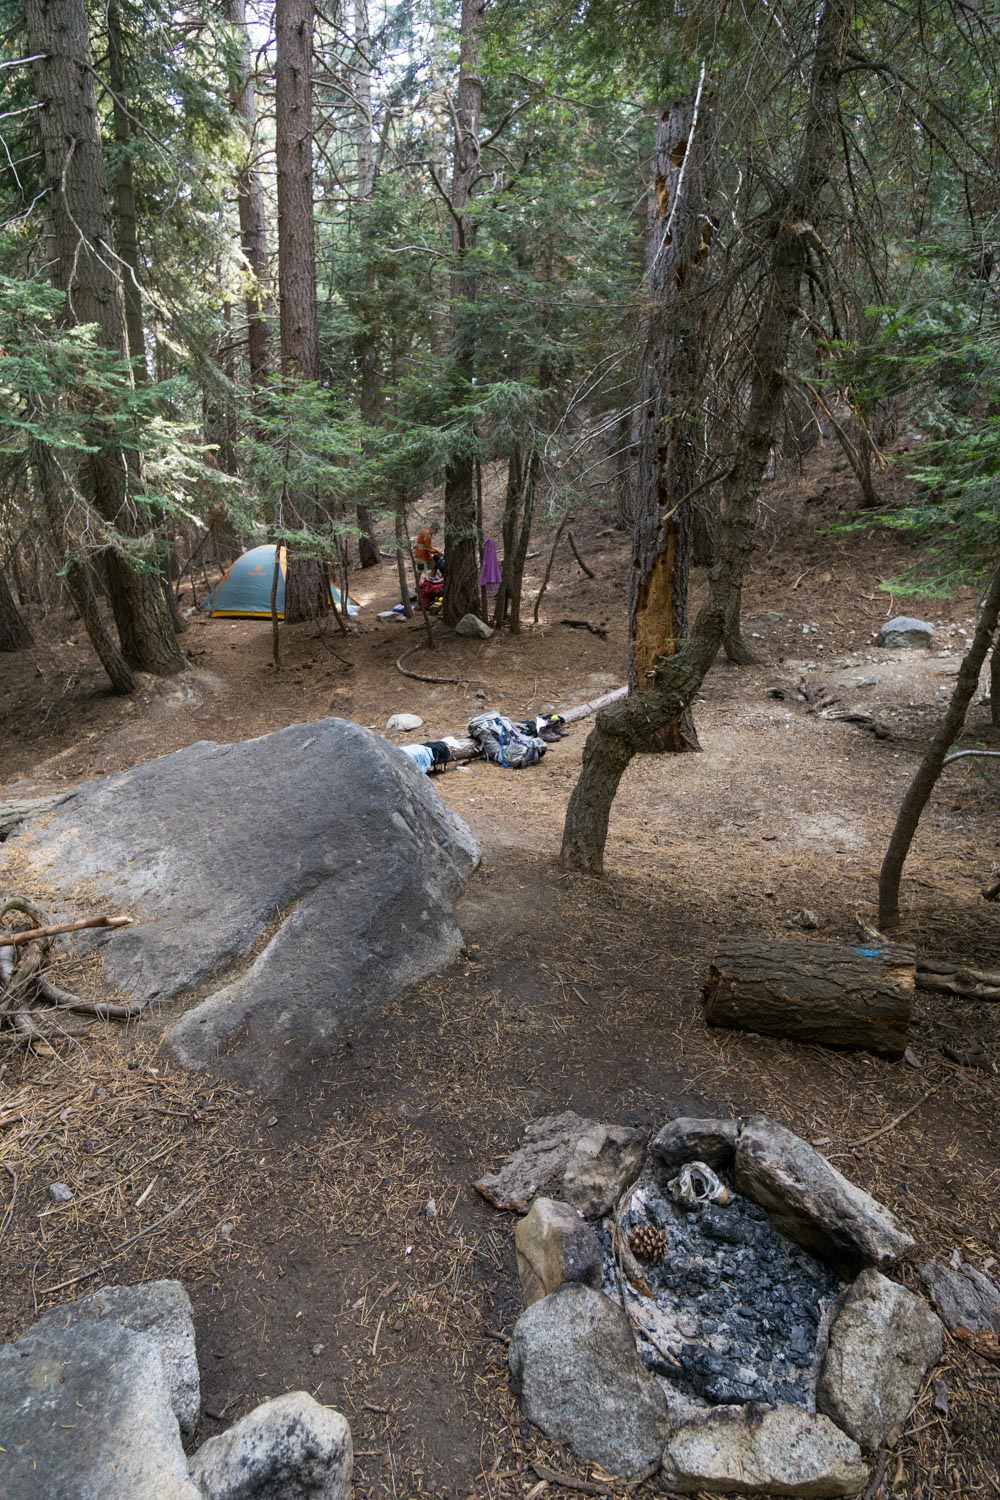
(245, 590)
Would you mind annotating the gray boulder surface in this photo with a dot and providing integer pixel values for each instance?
(576, 1373)
(161, 1309)
(555, 1245)
(747, 1450)
(287, 1449)
(474, 626)
(685, 1139)
(965, 1297)
(85, 1414)
(583, 1162)
(319, 860)
(881, 1345)
(811, 1202)
(905, 633)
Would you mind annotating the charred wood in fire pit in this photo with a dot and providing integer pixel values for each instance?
(832, 993)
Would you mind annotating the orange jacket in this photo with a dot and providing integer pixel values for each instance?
(424, 549)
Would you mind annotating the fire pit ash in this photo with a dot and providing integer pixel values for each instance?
(734, 1312)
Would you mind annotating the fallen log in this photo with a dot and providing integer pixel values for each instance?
(831, 993)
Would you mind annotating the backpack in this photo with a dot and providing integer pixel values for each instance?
(500, 740)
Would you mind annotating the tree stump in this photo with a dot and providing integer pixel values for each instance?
(832, 993)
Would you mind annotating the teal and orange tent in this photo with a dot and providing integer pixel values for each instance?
(245, 590)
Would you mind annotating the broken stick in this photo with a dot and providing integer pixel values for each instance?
(33, 934)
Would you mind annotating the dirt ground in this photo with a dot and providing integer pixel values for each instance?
(329, 1236)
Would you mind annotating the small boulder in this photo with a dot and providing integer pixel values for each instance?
(60, 1192)
(882, 1343)
(811, 1202)
(404, 722)
(752, 1450)
(85, 1411)
(287, 1449)
(905, 634)
(684, 1140)
(474, 626)
(555, 1245)
(576, 1373)
(161, 1309)
(965, 1297)
(565, 1156)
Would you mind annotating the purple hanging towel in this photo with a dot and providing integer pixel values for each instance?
(489, 573)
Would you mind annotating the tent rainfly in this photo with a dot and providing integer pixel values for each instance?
(245, 590)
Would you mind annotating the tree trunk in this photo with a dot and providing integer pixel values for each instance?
(995, 685)
(78, 580)
(126, 216)
(306, 591)
(85, 268)
(673, 371)
(14, 633)
(829, 993)
(250, 202)
(461, 578)
(620, 731)
(927, 773)
(369, 554)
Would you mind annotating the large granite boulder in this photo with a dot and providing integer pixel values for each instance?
(287, 1449)
(303, 877)
(882, 1343)
(812, 1203)
(576, 1373)
(161, 1309)
(86, 1414)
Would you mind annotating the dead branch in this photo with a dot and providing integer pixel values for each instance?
(24, 957)
(573, 548)
(53, 929)
(423, 676)
(600, 630)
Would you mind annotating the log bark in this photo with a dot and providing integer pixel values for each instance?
(831, 993)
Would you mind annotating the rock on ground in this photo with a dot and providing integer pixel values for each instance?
(577, 1375)
(748, 1450)
(85, 1414)
(474, 626)
(321, 841)
(811, 1202)
(565, 1156)
(404, 722)
(161, 1309)
(287, 1449)
(904, 633)
(882, 1343)
(555, 1245)
(965, 1297)
(683, 1140)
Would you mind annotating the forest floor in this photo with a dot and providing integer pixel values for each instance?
(300, 1223)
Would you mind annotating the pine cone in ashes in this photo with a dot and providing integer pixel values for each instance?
(648, 1243)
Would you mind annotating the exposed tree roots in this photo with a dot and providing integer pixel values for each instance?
(29, 1000)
